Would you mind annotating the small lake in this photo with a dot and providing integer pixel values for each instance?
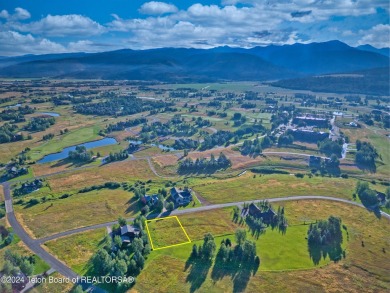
(53, 114)
(163, 147)
(160, 146)
(14, 106)
(89, 145)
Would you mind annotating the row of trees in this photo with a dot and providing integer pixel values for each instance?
(325, 232)
(254, 147)
(80, 154)
(329, 147)
(40, 123)
(242, 254)
(16, 115)
(112, 157)
(119, 106)
(366, 155)
(122, 125)
(367, 196)
(183, 144)
(203, 165)
(14, 264)
(8, 133)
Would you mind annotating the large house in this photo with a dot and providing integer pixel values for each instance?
(266, 217)
(128, 233)
(150, 200)
(309, 135)
(181, 196)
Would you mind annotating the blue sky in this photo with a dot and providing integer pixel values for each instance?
(58, 26)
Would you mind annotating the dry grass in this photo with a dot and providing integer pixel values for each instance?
(218, 221)
(118, 171)
(1, 193)
(248, 187)
(77, 250)
(165, 161)
(166, 232)
(79, 210)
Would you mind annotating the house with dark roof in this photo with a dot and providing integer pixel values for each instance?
(128, 233)
(150, 200)
(181, 196)
(266, 216)
(381, 197)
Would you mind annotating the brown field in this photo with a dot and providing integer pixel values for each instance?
(1, 193)
(238, 161)
(198, 224)
(250, 187)
(79, 210)
(166, 160)
(77, 249)
(50, 168)
(118, 171)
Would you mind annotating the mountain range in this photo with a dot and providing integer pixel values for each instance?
(202, 65)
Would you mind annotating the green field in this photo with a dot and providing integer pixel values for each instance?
(286, 254)
(72, 138)
(166, 232)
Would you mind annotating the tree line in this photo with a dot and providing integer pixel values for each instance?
(203, 165)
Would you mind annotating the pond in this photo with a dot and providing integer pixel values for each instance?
(14, 106)
(163, 147)
(89, 145)
(53, 114)
(160, 146)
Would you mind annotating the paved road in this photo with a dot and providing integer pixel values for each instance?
(35, 245)
(289, 153)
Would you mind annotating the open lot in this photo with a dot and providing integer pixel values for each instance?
(166, 232)
(78, 210)
(364, 268)
(247, 187)
(77, 250)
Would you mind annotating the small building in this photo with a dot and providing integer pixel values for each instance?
(150, 200)
(181, 196)
(315, 161)
(311, 121)
(128, 233)
(381, 197)
(267, 216)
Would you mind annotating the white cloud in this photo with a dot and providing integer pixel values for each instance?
(13, 43)
(157, 8)
(378, 36)
(21, 13)
(62, 25)
(4, 14)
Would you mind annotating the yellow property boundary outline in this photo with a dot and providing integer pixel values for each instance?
(157, 219)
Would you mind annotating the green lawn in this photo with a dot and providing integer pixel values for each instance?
(72, 138)
(166, 232)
